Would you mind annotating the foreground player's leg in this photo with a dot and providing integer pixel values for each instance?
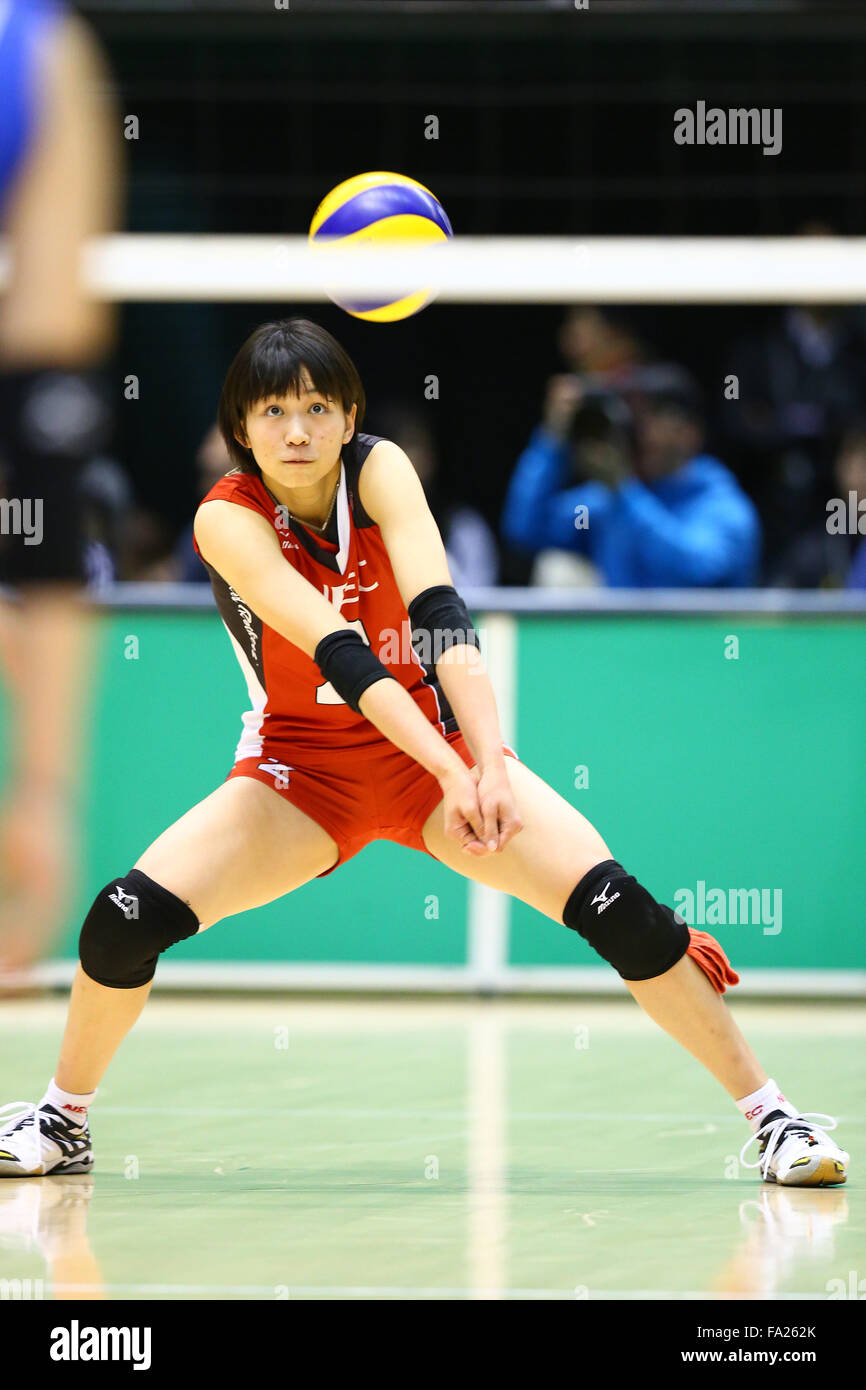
(241, 847)
(560, 865)
(46, 647)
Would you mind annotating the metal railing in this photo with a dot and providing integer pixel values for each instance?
(506, 599)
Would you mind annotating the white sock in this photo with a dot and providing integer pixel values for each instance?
(72, 1106)
(759, 1104)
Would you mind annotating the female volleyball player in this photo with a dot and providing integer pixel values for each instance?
(323, 554)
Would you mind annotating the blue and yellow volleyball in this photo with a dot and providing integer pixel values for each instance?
(377, 209)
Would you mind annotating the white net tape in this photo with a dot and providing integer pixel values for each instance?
(530, 270)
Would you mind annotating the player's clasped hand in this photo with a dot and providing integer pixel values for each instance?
(479, 810)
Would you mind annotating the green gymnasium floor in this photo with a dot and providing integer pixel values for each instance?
(282, 1148)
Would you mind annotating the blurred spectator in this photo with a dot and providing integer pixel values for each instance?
(602, 347)
(212, 461)
(150, 543)
(649, 510)
(108, 509)
(473, 554)
(826, 556)
(124, 541)
(600, 342)
(798, 381)
(797, 384)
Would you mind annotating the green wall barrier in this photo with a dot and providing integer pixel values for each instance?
(163, 729)
(745, 773)
(740, 774)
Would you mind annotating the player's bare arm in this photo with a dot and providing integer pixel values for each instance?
(393, 496)
(243, 547)
(47, 314)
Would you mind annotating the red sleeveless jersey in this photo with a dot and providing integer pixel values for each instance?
(292, 704)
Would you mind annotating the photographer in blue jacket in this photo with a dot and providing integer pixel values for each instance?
(630, 489)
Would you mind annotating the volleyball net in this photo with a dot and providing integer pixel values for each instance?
(476, 270)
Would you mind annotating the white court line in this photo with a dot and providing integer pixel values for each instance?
(268, 1291)
(489, 911)
(487, 1085)
(339, 1113)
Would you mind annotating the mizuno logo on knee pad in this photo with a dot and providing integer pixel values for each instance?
(640, 938)
(127, 902)
(125, 957)
(603, 899)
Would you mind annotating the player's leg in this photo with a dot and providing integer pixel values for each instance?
(553, 865)
(542, 865)
(241, 847)
(46, 647)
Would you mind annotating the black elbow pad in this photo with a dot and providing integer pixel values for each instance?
(439, 619)
(345, 660)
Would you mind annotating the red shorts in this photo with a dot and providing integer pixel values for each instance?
(375, 792)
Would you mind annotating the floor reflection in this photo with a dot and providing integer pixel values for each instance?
(782, 1229)
(48, 1217)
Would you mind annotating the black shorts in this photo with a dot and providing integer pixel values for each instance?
(42, 523)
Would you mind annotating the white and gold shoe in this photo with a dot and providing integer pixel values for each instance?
(796, 1152)
(39, 1140)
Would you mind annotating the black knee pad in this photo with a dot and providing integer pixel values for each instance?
(639, 937)
(131, 921)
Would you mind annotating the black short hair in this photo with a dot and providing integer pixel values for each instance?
(667, 388)
(272, 363)
(853, 436)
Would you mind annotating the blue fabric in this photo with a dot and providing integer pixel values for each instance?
(191, 568)
(696, 527)
(22, 24)
(857, 574)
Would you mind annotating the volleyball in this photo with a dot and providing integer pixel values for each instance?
(376, 209)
